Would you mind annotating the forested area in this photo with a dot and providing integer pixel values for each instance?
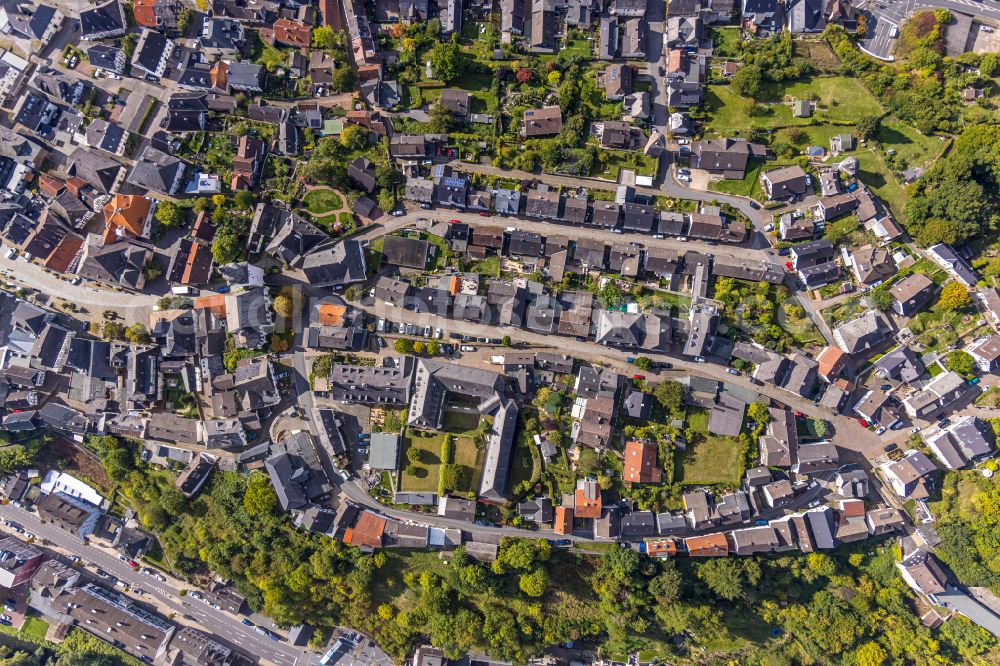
(959, 197)
(849, 606)
(968, 522)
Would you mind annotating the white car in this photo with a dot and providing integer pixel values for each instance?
(467, 348)
(769, 227)
(881, 429)
(915, 429)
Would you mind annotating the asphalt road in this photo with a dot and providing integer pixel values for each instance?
(165, 597)
(133, 307)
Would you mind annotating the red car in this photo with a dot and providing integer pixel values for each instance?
(455, 222)
(483, 213)
(800, 415)
(788, 265)
(864, 424)
(638, 376)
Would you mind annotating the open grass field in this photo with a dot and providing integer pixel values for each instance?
(577, 47)
(320, 202)
(610, 162)
(428, 469)
(727, 42)
(34, 628)
(712, 460)
(909, 144)
(841, 98)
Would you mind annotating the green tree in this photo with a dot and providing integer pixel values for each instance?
(759, 413)
(446, 61)
(137, 334)
(440, 118)
(821, 564)
(244, 200)
(611, 295)
(419, 347)
(168, 214)
(414, 454)
(259, 499)
(988, 64)
(324, 37)
(747, 81)
(665, 588)
(184, 19)
(868, 126)
(870, 654)
(226, 247)
(728, 576)
(644, 363)
(354, 137)
(954, 296)
(343, 78)
(506, 341)
(283, 305)
(112, 330)
(404, 346)
(433, 348)
(535, 583)
(671, 395)
(882, 298)
(961, 362)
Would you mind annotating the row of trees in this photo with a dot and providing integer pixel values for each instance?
(848, 605)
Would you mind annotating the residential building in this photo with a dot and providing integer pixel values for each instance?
(986, 353)
(103, 21)
(725, 157)
(153, 53)
(785, 183)
(641, 464)
(948, 259)
(911, 476)
(545, 121)
(911, 294)
(962, 443)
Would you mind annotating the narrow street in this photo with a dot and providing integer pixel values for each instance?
(165, 597)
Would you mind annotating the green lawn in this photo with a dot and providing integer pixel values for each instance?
(727, 42)
(713, 459)
(460, 421)
(269, 57)
(521, 465)
(577, 47)
(427, 470)
(749, 186)
(912, 146)
(873, 172)
(840, 98)
(320, 202)
(729, 114)
(34, 628)
(610, 162)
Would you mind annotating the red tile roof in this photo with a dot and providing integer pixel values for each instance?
(640, 463)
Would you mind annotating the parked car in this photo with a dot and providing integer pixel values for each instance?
(880, 430)
(889, 448)
(468, 348)
(732, 371)
(247, 622)
(195, 594)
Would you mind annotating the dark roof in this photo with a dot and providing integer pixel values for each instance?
(104, 20)
(403, 251)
